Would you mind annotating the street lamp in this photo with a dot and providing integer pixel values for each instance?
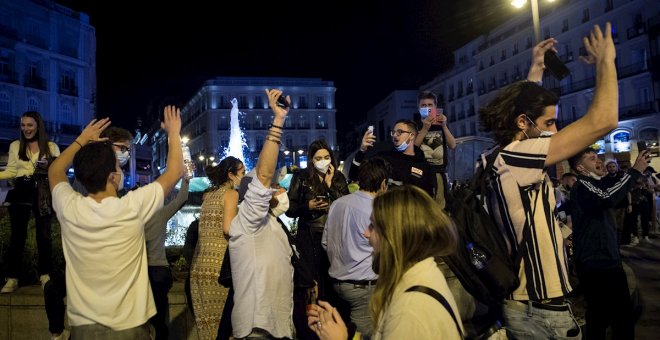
(299, 152)
(535, 15)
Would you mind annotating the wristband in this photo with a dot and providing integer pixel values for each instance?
(75, 141)
(276, 126)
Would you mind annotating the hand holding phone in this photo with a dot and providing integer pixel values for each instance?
(282, 102)
(555, 65)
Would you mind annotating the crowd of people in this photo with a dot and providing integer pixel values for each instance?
(362, 264)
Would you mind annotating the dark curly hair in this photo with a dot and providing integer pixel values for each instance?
(219, 174)
(499, 116)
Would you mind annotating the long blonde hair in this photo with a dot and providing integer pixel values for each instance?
(411, 227)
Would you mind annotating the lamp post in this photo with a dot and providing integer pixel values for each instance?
(535, 15)
(299, 152)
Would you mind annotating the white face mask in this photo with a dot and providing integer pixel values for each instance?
(322, 165)
(282, 205)
(594, 176)
(122, 157)
(402, 147)
(542, 133)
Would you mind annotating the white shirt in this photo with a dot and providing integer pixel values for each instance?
(416, 315)
(261, 268)
(106, 260)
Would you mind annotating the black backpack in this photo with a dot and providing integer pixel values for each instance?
(499, 278)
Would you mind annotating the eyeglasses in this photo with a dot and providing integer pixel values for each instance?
(122, 148)
(398, 132)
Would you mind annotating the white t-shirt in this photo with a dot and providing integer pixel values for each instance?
(106, 260)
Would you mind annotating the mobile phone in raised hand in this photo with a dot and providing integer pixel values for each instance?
(641, 146)
(281, 101)
(555, 65)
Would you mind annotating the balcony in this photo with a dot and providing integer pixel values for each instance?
(631, 70)
(8, 32)
(70, 129)
(68, 90)
(69, 51)
(628, 112)
(35, 82)
(9, 77)
(36, 41)
(634, 32)
(9, 121)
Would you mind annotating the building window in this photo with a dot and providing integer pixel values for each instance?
(302, 102)
(260, 142)
(33, 104)
(66, 114)
(5, 104)
(585, 15)
(242, 102)
(564, 25)
(503, 57)
(302, 121)
(224, 123)
(303, 141)
(320, 121)
(289, 142)
(288, 123)
(259, 124)
(259, 102)
(320, 102)
(609, 5)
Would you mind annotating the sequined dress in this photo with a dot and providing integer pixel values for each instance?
(208, 296)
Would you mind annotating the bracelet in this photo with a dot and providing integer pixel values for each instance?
(75, 141)
(273, 139)
(276, 126)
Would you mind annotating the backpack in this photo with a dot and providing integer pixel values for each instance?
(499, 278)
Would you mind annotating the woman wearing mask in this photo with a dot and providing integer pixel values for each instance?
(219, 207)
(406, 236)
(29, 156)
(311, 192)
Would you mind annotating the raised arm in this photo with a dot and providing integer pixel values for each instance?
(268, 156)
(57, 170)
(538, 59)
(603, 113)
(172, 125)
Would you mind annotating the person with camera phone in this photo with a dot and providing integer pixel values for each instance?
(311, 193)
(27, 165)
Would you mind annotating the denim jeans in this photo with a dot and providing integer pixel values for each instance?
(358, 297)
(100, 332)
(523, 321)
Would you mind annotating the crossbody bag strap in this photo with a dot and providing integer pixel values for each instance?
(436, 295)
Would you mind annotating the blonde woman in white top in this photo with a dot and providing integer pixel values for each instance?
(408, 229)
(27, 165)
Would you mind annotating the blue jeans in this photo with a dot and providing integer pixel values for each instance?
(524, 321)
(358, 297)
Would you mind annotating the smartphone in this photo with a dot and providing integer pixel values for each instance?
(322, 198)
(555, 66)
(281, 101)
(371, 129)
(641, 146)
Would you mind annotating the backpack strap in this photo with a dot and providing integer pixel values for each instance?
(436, 295)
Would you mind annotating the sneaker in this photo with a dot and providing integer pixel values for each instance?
(629, 245)
(43, 279)
(647, 239)
(10, 286)
(634, 240)
(62, 336)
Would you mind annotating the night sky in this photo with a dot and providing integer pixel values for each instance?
(148, 57)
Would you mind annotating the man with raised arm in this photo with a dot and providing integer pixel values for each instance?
(103, 236)
(522, 118)
(260, 251)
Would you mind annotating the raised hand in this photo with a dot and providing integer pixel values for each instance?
(273, 95)
(92, 132)
(325, 321)
(172, 121)
(599, 46)
(538, 53)
(642, 161)
(368, 140)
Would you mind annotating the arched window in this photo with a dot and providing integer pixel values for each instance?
(33, 104)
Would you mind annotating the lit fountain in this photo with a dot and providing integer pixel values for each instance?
(177, 226)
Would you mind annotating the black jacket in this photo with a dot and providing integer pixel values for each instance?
(594, 235)
(406, 169)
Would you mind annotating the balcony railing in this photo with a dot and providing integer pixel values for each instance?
(9, 121)
(636, 31)
(633, 111)
(9, 77)
(631, 70)
(68, 90)
(35, 82)
(69, 51)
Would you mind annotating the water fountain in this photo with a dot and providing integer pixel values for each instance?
(236, 137)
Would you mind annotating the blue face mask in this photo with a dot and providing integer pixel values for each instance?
(402, 147)
(424, 112)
